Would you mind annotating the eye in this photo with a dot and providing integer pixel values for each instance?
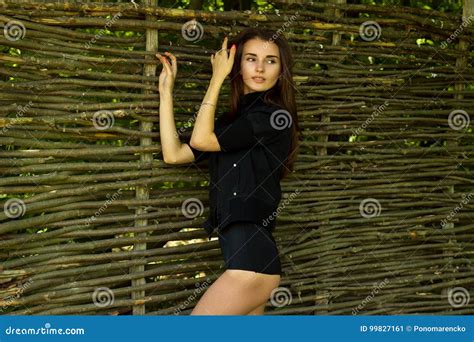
(269, 61)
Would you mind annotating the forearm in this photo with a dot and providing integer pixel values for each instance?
(170, 142)
(204, 125)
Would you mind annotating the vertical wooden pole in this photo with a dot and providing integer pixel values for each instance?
(142, 192)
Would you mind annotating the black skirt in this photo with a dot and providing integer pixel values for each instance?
(249, 246)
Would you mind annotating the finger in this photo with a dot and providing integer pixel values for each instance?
(165, 60)
(233, 50)
(174, 68)
(174, 62)
(162, 58)
(166, 65)
(224, 44)
(170, 55)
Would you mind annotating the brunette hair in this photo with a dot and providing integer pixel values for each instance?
(282, 94)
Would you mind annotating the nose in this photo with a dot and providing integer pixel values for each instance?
(260, 66)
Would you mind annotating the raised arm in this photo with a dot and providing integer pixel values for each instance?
(203, 137)
(174, 152)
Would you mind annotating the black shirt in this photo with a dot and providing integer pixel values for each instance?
(245, 174)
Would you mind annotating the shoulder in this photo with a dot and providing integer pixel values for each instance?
(264, 108)
(222, 120)
(270, 115)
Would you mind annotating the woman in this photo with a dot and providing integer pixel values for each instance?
(250, 149)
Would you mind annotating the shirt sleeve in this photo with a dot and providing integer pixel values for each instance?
(262, 126)
(199, 155)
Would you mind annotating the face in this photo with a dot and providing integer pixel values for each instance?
(260, 65)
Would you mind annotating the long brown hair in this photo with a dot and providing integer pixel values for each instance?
(282, 94)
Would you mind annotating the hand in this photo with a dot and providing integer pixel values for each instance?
(221, 62)
(168, 73)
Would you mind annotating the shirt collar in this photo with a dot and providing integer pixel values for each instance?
(250, 99)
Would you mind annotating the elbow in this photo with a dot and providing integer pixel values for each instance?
(169, 161)
(208, 144)
(195, 144)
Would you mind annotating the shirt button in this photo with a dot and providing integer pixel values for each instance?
(235, 165)
(235, 194)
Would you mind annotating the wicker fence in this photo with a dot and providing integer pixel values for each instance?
(376, 219)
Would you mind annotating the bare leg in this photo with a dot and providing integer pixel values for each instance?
(236, 292)
(258, 311)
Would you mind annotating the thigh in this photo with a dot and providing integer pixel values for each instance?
(236, 292)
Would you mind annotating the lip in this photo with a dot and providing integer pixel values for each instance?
(258, 79)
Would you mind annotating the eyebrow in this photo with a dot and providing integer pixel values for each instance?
(252, 54)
